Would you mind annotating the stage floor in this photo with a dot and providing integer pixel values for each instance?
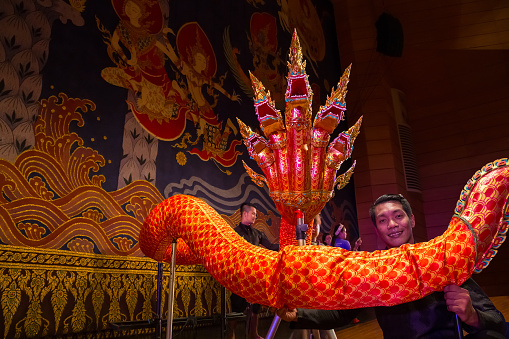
(367, 327)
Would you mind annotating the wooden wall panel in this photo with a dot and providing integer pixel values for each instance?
(454, 72)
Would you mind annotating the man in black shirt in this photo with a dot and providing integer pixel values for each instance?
(438, 315)
(255, 237)
(252, 235)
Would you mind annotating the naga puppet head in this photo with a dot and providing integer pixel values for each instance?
(296, 158)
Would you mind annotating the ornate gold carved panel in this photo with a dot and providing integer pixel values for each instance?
(52, 292)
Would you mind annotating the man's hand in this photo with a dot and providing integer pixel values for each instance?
(358, 243)
(458, 301)
(287, 314)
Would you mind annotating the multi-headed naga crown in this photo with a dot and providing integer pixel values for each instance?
(299, 168)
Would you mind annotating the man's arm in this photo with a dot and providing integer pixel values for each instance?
(317, 319)
(266, 243)
(476, 310)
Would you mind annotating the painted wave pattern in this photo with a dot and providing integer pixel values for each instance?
(224, 201)
(50, 197)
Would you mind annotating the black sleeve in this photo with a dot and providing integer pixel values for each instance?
(323, 319)
(489, 317)
(266, 243)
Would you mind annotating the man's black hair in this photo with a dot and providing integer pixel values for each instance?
(245, 207)
(390, 197)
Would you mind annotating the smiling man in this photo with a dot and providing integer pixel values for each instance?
(433, 316)
(393, 219)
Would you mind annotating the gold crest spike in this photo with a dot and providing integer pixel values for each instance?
(340, 93)
(343, 179)
(341, 148)
(296, 65)
(259, 90)
(354, 130)
(258, 179)
(245, 130)
(269, 117)
(345, 78)
(330, 114)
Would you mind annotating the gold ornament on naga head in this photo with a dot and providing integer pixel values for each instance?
(299, 169)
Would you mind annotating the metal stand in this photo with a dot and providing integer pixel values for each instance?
(332, 334)
(158, 321)
(249, 314)
(273, 327)
(171, 292)
(300, 233)
(223, 312)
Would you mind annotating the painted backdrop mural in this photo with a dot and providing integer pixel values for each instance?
(109, 107)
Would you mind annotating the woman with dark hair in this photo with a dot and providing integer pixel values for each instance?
(340, 239)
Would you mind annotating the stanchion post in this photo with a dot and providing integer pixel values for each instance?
(171, 292)
(158, 321)
(223, 312)
(332, 334)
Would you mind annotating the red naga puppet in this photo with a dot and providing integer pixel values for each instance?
(300, 171)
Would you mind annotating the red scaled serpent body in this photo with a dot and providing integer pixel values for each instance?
(328, 277)
(300, 172)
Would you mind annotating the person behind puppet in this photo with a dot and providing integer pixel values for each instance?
(437, 315)
(255, 237)
(327, 239)
(306, 333)
(315, 232)
(340, 239)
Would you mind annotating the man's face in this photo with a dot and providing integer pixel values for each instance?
(249, 217)
(393, 225)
